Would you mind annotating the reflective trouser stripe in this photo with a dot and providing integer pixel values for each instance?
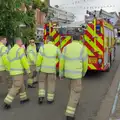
(8, 99)
(30, 81)
(23, 96)
(70, 110)
(50, 97)
(41, 93)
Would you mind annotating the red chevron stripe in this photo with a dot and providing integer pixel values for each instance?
(58, 43)
(55, 35)
(66, 44)
(100, 46)
(91, 26)
(89, 35)
(91, 48)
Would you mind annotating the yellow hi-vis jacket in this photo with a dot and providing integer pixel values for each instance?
(4, 62)
(31, 54)
(46, 59)
(18, 61)
(74, 61)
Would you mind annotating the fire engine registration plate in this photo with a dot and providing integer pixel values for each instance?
(92, 60)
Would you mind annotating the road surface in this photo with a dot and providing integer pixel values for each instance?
(95, 87)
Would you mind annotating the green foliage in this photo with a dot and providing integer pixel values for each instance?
(11, 18)
(43, 6)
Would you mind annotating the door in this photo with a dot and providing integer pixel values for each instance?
(106, 45)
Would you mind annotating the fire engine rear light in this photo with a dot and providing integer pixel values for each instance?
(99, 61)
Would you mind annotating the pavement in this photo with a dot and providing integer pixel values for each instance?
(95, 88)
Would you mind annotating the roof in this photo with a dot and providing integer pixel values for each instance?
(114, 13)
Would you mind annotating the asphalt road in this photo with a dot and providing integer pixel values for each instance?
(95, 87)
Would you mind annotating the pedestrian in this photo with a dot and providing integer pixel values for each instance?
(46, 65)
(31, 56)
(73, 66)
(4, 63)
(18, 62)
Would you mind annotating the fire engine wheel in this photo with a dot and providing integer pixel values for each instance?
(110, 62)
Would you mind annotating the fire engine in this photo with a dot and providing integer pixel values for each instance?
(99, 39)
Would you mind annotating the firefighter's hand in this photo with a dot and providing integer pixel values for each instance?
(34, 74)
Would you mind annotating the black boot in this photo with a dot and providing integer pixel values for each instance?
(40, 100)
(6, 106)
(31, 86)
(35, 82)
(50, 102)
(70, 118)
(24, 101)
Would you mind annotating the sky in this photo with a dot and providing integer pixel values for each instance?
(79, 7)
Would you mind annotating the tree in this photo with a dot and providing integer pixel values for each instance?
(11, 17)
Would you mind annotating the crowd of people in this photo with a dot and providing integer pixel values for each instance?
(17, 61)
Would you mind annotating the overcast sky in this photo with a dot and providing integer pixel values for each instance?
(79, 7)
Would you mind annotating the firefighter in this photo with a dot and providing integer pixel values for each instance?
(31, 56)
(4, 63)
(46, 65)
(18, 62)
(73, 66)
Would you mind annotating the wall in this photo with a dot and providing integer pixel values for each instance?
(40, 17)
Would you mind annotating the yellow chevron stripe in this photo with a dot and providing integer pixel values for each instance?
(53, 33)
(92, 44)
(92, 66)
(57, 39)
(99, 39)
(66, 39)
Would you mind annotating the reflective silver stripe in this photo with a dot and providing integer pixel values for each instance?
(77, 58)
(49, 56)
(43, 66)
(1, 66)
(74, 72)
(67, 58)
(16, 69)
(22, 56)
(81, 53)
(4, 53)
(65, 48)
(42, 54)
(85, 58)
(16, 58)
(31, 51)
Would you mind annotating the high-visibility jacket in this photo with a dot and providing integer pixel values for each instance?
(4, 62)
(46, 59)
(31, 54)
(74, 61)
(18, 61)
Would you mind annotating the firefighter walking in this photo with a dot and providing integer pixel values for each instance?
(4, 63)
(18, 62)
(31, 56)
(46, 65)
(73, 66)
